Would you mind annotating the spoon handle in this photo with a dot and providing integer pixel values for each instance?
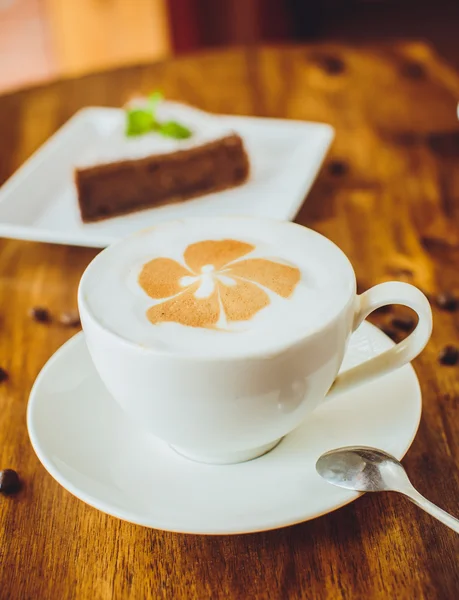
(432, 509)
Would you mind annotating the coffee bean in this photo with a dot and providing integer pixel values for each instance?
(413, 70)
(70, 318)
(337, 167)
(432, 242)
(444, 144)
(333, 65)
(403, 323)
(9, 481)
(390, 333)
(3, 375)
(40, 314)
(447, 301)
(449, 355)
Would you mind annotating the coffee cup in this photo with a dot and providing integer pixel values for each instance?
(221, 335)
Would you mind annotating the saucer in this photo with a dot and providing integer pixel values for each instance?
(92, 449)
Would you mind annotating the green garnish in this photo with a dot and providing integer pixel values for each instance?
(143, 120)
(174, 130)
(138, 122)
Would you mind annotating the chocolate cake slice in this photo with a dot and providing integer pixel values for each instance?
(118, 186)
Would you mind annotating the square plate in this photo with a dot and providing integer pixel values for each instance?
(39, 202)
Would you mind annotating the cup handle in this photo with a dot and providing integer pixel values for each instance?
(392, 292)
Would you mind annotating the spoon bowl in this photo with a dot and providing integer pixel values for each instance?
(361, 469)
(365, 469)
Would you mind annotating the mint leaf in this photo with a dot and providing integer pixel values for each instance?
(143, 120)
(138, 122)
(174, 130)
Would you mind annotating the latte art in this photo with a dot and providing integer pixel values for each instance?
(218, 286)
(214, 285)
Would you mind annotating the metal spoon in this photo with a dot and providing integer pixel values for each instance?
(370, 470)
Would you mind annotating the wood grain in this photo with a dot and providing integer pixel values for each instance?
(389, 196)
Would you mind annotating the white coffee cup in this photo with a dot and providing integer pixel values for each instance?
(225, 409)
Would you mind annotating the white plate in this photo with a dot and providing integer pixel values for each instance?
(91, 448)
(39, 202)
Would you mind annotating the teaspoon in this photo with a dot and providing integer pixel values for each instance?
(365, 469)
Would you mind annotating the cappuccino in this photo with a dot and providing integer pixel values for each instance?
(220, 335)
(218, 286)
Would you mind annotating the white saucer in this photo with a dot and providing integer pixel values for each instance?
(87, 444)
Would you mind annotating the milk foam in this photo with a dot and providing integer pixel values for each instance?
(113, 294)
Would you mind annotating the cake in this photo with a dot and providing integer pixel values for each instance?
(120, 175)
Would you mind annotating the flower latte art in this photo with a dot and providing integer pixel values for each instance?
(217, 284)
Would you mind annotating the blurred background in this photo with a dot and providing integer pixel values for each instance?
(42, 40)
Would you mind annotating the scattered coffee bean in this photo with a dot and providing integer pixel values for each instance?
(447, 239)
(403, 323)
(413, 70)
(338, 168)
(447, 301)
(444, 144)
(69, 318)
(449, 355)
(40, 314)
(9, 481)
(3, 375)
(333, 65)
(390, 333)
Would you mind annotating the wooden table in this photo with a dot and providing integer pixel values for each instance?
(389, 196)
